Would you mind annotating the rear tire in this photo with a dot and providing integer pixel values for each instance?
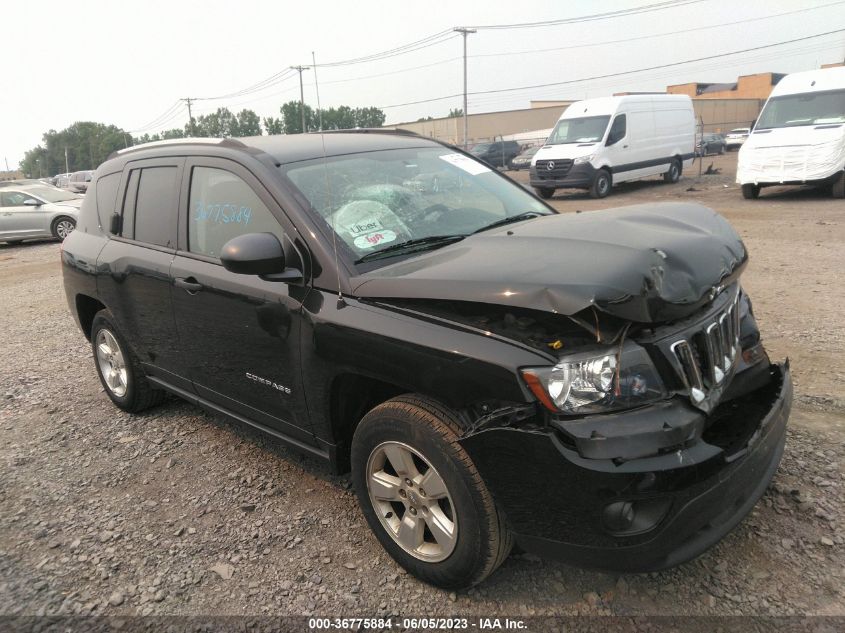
(837, 189)
(602, 182)
(750, 191)
(450, 535)
(544, 192)
(673, 175)
(119, 370)
(62, 227)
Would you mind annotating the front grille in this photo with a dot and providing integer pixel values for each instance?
(705, 358)
(553, 169)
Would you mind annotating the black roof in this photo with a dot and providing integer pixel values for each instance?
(290, 148)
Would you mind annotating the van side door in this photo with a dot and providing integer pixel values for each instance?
(240, 335)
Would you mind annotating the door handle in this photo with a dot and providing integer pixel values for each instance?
(190, 284)
(624, 147)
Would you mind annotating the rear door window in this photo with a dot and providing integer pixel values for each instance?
(150, 205)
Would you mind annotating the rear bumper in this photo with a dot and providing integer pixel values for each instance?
(560, 503)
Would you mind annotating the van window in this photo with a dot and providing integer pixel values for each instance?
(223, 206)
(155, 206)
(811, 108)
(617, 130)
(587, 129)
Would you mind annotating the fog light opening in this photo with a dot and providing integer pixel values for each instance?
(626, 518)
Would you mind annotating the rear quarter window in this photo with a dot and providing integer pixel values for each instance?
(105, 189)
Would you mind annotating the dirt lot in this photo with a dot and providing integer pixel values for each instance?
(172, 512)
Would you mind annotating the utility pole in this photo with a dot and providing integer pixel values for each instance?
(188, 100)
(465, 31)
(299, 69)
(317, 88)
(67, 169)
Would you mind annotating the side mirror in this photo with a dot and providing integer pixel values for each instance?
(32, 202)
(257, 254)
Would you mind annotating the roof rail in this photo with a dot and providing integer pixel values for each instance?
(371, 130)
(220, 142)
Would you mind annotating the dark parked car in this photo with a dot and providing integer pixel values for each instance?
(523, 160)
(710, 144)
(592, 386)
(497, 154)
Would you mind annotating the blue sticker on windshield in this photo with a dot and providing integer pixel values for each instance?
(222, 213)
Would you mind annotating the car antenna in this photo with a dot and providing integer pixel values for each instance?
(341, 303)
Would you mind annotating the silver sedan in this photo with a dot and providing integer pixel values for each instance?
(31, 211)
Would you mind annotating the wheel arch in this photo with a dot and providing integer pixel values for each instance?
(351, 397)
(86, 308)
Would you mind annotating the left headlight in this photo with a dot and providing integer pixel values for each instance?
(597, 381)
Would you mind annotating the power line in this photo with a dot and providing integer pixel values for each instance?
(617, 74)
(156, 121)
(648, 8)
(651, 36)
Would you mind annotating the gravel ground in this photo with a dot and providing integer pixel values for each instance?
(174, 512)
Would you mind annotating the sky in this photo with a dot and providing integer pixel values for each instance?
(127, 63)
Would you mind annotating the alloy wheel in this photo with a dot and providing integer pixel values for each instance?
(112, 363)
(64, 228)
(412, 501)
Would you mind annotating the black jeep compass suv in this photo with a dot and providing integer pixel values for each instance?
(591, 386)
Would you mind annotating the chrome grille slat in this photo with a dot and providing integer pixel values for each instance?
(707, 368)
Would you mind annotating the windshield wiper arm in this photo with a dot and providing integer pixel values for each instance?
(419, 243)
(519, 217)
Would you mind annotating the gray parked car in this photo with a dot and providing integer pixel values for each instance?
(31, 211)
(79, 180)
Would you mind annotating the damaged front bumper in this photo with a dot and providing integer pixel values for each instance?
(643, 513)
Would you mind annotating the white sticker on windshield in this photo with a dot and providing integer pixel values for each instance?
(367, 225)
(466, 163)
(373, 239)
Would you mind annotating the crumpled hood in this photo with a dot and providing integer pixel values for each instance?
(645, 263)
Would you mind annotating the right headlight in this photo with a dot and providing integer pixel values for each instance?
(583, 159)
(597, 381)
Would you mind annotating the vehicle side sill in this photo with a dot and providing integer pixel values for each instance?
(214, 408)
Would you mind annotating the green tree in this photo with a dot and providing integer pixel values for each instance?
(248, 124)
(274, 126)
(292, 118)
(369, 117)
(219, 124)
(87, 144)
(455, 112)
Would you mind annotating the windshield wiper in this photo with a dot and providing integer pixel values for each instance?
(519, 217)
(419, 243)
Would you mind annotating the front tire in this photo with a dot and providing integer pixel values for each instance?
(62, 227)
(422, 495)
(544, 192)
(674, 173)
(837, 190)
(119, 370)
(750, 191)
(602, 182)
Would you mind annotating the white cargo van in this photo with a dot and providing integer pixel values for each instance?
(799, 137)
(598, 143)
